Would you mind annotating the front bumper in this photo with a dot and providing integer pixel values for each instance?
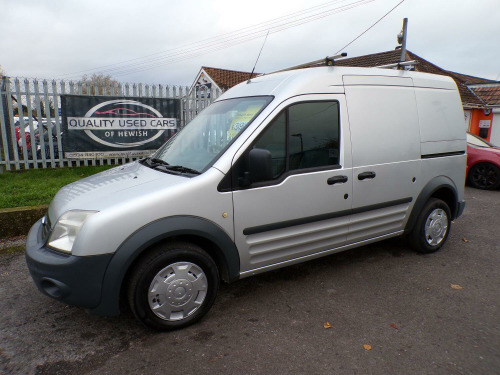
(72, 279)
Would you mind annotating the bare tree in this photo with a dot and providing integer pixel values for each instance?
(99, 84)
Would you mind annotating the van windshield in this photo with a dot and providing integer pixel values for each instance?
(202, 141)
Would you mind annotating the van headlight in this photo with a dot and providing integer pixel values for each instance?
(66, 229)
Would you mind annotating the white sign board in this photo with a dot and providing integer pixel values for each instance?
(484, 124)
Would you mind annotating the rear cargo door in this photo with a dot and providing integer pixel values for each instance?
(385, 139)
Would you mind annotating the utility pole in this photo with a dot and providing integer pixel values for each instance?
(402, 40)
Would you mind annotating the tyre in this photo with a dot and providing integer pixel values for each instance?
(173, 286)
(432, 227)
(484, 176)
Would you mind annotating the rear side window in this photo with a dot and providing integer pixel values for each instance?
(304, 136)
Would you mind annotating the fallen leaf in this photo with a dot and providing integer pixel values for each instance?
(327, 325)
(456, 286)
(465, 240)
(367, 347)
(393, 325)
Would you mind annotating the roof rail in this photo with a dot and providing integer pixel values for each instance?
(398, 64)
(329, 60)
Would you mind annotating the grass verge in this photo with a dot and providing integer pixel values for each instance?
(36, 187)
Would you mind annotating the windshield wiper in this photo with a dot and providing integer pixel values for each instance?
(155, 162)
(182, 169)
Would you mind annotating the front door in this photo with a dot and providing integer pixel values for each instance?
(304, 209)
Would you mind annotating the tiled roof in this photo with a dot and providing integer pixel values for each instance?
(226, 79)
(490, 94)
(470, 80)
(469, 99)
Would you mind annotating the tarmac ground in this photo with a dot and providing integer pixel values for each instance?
(378, 309)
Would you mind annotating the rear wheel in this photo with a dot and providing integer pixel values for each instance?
(173, 286)
(432, 227)
(484, 176)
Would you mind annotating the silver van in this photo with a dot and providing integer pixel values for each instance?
(279, 170)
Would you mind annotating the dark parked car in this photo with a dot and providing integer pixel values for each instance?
(483, 163)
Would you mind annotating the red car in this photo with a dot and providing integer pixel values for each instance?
(483, 163)
(18, 138)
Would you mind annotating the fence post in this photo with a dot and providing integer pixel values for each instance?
(183, 106)
(58, 125)
(63, 92)
(13, 139)
(49, 124)
(38, 105)
(4, 145)
(20, 113)
(29, 108)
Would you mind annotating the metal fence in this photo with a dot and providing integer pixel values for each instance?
(26, 103)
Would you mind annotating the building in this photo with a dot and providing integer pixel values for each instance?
(486, 123)
(218, 79)
(480, 96)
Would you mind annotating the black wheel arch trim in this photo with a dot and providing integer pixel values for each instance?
(153, 233)
(427, 192)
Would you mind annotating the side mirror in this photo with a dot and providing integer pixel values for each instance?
(260, 165)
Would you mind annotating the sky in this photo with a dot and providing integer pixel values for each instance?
(167, 42)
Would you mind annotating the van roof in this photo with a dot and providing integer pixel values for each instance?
(329, 79)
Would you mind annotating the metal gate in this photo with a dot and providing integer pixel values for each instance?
(27, 103)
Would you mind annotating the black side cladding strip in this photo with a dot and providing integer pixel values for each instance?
(442, 154)
(313, 219)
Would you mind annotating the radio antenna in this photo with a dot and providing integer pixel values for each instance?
(261, 48)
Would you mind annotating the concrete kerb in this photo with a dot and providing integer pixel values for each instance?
(18, 221)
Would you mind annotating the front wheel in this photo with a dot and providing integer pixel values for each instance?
(174, 286)
(432, 227)
(484, 176)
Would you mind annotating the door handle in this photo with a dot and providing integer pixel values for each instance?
(365, 175)
(336, 180)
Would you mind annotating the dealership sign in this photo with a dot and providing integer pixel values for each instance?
(100, 127)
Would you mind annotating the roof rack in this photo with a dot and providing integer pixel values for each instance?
(329, 60)
(398, 64)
